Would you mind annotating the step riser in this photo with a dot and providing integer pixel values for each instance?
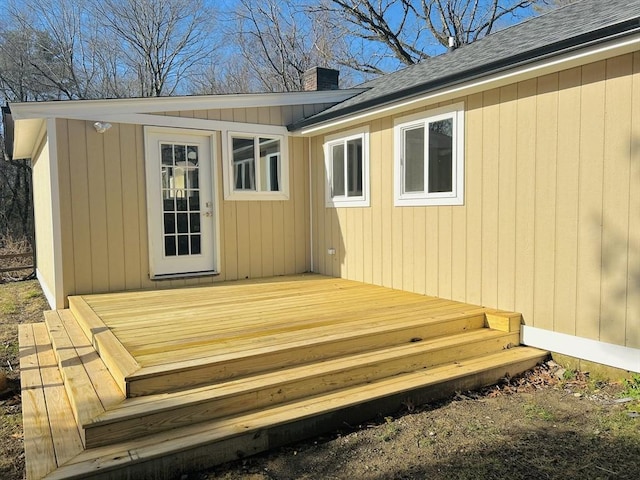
(309, 384)
(237, 368)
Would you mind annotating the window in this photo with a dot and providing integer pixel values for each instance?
(257, 167)
(429, 160)
(347, 166)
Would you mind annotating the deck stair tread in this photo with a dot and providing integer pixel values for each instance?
(104, 459)
(371, 323)
(143, 415)
(115, 356)
(90, 387)
(313, 346)
(51, 434)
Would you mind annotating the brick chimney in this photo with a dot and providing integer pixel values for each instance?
(319, 78)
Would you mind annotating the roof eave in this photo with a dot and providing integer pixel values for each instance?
(29, 110)
(519, 61)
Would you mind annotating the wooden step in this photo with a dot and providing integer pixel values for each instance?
(90, 387)
(155, 413)
(213, 442)
(261, 355)
(116, 358)
(51, 436)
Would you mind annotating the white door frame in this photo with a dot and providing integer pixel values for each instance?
(207, 262)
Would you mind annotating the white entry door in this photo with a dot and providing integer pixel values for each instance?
(180, 201)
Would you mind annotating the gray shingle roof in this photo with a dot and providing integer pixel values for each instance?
(568, 27)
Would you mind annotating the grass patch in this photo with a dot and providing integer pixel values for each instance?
(631, 387)
(533, 411)
(8, 306)
(389, 429)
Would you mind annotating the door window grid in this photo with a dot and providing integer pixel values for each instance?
(181, 199)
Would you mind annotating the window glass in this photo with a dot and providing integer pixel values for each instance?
(354, 167)
(429, 157)
(337, 153)
(269, 164)
(347, 167)
(244, 164)
(414, 159)
(256, 166)
(441, 156)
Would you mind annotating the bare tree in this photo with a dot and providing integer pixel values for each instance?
(61, 39)
(279, 40)
(407, 31)
(161, 41)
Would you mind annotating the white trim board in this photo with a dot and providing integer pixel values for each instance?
(47, 292)
(26, 110)
(625, 358)
(55, 214)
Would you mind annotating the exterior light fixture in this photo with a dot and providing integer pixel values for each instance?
(101, 127)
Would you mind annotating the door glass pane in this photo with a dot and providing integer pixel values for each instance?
(180, 198)
(166, 151)
(169, 223)
(183, 244)
(441, 156)
(337, 174)
(195, 222)
(354, 168)
(414, 159)
(195, 244)
(183, 223)
(170, 246)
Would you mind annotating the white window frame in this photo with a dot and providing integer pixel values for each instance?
(230, 192)
(454, 112)
(342, 139)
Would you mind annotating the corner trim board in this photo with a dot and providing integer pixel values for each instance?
(45, 289)
(58, 294)
(625, 358)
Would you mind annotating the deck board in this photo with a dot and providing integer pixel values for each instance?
(38, 442)
(234, 347)
(235, 316)
(64, 431)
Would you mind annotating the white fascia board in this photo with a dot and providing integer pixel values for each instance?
(518, 74)
(625, 358)
(68, 108)
(182, 122)
(29, 130)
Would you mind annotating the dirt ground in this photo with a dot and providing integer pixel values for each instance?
(549, 424)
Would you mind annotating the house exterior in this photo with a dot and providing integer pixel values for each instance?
(505, 173)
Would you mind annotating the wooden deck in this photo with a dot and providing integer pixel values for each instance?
(154, 383)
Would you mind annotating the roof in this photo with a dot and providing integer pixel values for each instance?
(28, 118)
(568, 28)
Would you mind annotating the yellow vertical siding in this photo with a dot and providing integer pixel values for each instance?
(615, 202)
(567, 184)
(633, 272)
(545, 201)
(104, 220)
(550, 226)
